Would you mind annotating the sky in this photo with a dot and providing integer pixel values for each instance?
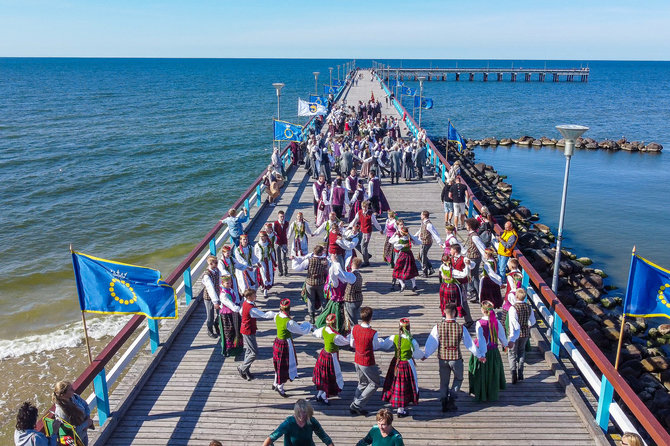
(445, 29)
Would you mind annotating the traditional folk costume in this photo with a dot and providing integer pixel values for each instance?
(378, 200)
(514, 279)
(390, 228)
(299, 231)
(350, 240)
(450, 291)
(248, 329)
(228, 266)
(230, 322)
(327, 374)
(211, 280)
(401, 386)
(350, 184)
(336, 285)
(364, 340)
(283, 353)
(489, 285)
(355, 203)
(487, 378)
(521, 319)
(446, 338)
(461, 271)
(317, 190)
(313, 289)
(405, 264)
(427, 234)
(267, 262)
(324, 207)
(281, 245)
(338, 199)
(475, 251)
(367, 219)
(246, 274)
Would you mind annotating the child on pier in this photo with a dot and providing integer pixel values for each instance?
(229, 318)
(401, 386)
(427, 234)
(521, 319)
(211, 280)
(405, 264)
(486, 374)
(265, 253)
(299, 230)
(250, 313)
(228, 266)
(336, 283)
(450, 291)
(327, 372)
(246, 274)
(390, 228)
(489, 285)
(283, 352)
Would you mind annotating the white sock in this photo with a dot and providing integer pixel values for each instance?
(413, 282)
(325, 398)
(401, 410)
(280, 387)
(402, 283)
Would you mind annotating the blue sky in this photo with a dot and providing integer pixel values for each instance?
(581, 30)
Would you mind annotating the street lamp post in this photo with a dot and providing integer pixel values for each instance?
(316, 80)
(421, 79)
(331, 75)
(570, 134)
(278, 86)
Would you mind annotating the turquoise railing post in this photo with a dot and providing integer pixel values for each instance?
(525, 280)
(556, 329)
(258, 195)
(246, 205)
(212, 246)
(153, 334)
(101, 396)
(188, 287)
(604, 401)
(471, 208)
(444, 174)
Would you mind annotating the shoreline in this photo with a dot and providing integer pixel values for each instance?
(580, 144)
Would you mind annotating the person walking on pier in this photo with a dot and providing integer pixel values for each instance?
(458, 192)
(299, 429)
(280, 227)
(248, 329)
(521, 319)
(506, 244)
(401, 386)
(367, 219)
(364, 340)
(211, 281)
(246, 275)
(446, 338)
(299, 230)
(405, 265)
(427, 234)
(283, 352)
(327, 376)
(420, 159)
(234, 222)
(383, 434)
(265, 255)
(448, 203)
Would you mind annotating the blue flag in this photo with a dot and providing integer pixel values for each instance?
(111, 287)
(426, 103)
(454, 136)
(327, 89)
(337, 83)
(318, 100)
(408, 91)
(285, 131)
(648, 293)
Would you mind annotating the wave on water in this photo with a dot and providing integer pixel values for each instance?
(71, 335)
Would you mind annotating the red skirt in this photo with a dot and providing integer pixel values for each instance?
(324, 374)
(399, 385)
(405, 266)
(388, 252)
(450, 293)
(490, 291)
(280, 354)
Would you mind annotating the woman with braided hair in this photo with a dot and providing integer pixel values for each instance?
(489, 284)
(72, 408)
(486, 374)
(405, 264)
(450, 292)
(327, 371)
(401, 386)
(390, 228)
(283, 352)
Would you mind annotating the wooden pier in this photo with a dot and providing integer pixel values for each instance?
(193, 395)
(483, 73)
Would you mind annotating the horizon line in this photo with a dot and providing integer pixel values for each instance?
(322, 58)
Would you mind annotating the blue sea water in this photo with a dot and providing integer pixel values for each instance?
(136, 159)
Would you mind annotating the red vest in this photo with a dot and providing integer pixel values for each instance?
(248, 326)
(333, 247)
(280, 230)
(366, 222)
(460, 265)
(363, 344)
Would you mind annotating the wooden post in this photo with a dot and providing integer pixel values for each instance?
(631, 273)
(88, 346)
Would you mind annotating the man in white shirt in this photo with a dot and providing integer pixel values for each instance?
(427, 234)
(521, 319)
(211, 280)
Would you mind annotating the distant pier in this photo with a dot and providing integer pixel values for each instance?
(483, 73)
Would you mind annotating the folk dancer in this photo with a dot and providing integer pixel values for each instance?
(427, 234)
(248, 329)
(446, 338)
(280, 227)
(316, 265)
(390, 227)
(450, 290)
(351, 183)
(336, 284)
(405, 264)
(283, 353)
(401, 386)
(514, 282)
(360, 195)
(376, 196)
(489, 287)
(450, 238)
(299, 230)
(267, 262)
(246, 274)
(339, 198)
(474, 250)
(485, 372)
(364, 340)
(461, 271)
(327, 226)
(327, 374)
(324, 209)
(521, 319)
(317, 190)
(211, 280)
(367, 219)
(353, 295)
(228, 266)
(229, 318)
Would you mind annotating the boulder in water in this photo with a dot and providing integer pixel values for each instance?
(505, 142)
(654, 147)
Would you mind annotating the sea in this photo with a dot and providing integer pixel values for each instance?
(136, 159)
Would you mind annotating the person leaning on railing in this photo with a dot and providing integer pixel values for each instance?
(25, 433)
(299, 428)
(234, 223)
(73, 409)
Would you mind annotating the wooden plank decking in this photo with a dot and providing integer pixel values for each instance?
(194, 395)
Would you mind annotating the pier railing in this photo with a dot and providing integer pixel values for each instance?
(564, 330)
(182, 279)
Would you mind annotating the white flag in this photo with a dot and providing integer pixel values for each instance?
(311, 108)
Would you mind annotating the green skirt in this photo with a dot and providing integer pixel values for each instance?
(486, 379)
(336, 308)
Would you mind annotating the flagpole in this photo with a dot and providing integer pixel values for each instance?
(625, 302)
(83, 319)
